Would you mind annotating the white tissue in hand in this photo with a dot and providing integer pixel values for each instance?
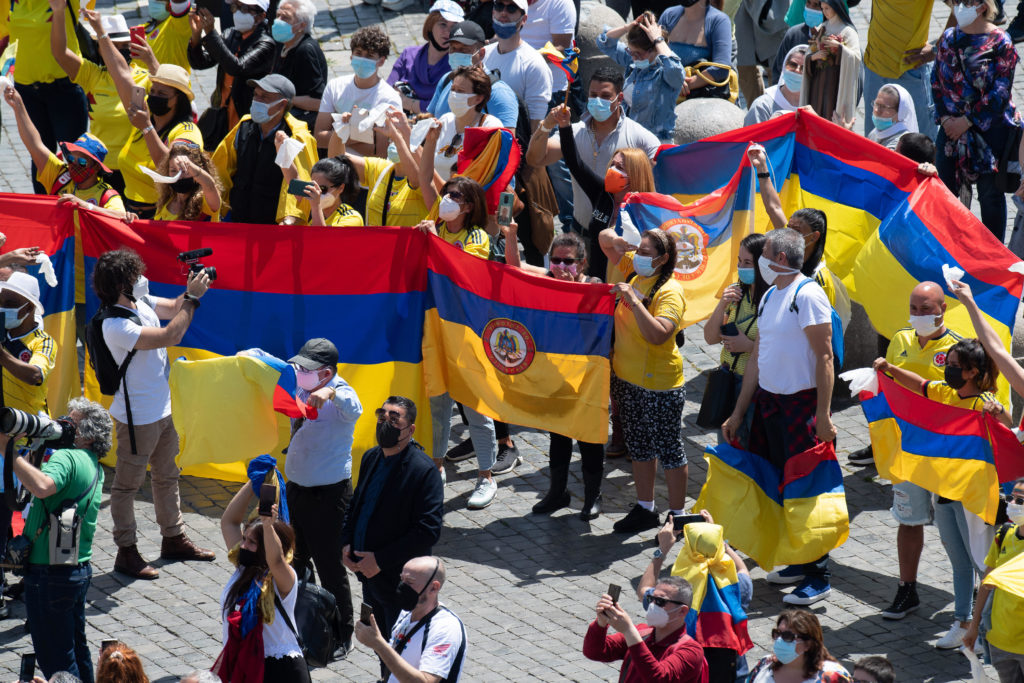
(359, 133)
(419, 133)
(286, 154)
(342, 129)
(951, 273)
(375, 117)
(46, 268)
(157, 178)
(5, 83)
(629, 231)
(977, 669)
(861, 379)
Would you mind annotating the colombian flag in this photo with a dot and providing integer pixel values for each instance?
(566, 61)
(716, 618)
(1009, 576)
(954, 452)
(777, 517)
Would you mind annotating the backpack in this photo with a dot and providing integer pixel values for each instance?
(838, 346)
(109, 374)
(316, 613)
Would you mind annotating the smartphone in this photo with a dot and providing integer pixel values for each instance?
(138, 34)
(680, 521)
(138, 101)
(505, 204)
(28, 667)
(268, 496)
(365, 612)
(104, 644)
(298, 187)
(614, 592)
(730, 330)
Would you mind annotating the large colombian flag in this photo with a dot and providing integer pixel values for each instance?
(957, 453)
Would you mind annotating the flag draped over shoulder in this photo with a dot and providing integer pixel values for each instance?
(491, 157)
(716, 618)
(954, 452)
(777, 517)
(1008, 576)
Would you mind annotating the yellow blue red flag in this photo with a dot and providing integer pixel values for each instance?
(567, 60)
(1008, 576)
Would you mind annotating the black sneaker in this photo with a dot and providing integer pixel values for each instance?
(906, 601)
(460, 452)
(508, 458)
(862, 458)
(638, 519)
(1016, 29)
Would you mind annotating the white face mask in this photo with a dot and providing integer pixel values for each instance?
(656, 616)
(448, 209)
(307, 379)
(243, 21)
(458, 102)
(1015, 512)
(965, 16)
(141, 288)
(769, 274)
(925, 325)
(11, 319)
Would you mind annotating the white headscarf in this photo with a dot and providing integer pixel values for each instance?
(906, 115)
(781, 103)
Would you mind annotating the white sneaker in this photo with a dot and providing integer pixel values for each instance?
(396, 5)
(953, 639)
(483, 494)
(444, 478)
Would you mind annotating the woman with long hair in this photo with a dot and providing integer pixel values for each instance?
(120, 664)
(647, 369)
(195, 196)
(333, 186)
(799, 653)
(259, 644)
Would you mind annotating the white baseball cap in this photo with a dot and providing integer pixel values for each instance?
(262, 4)
(449, 10)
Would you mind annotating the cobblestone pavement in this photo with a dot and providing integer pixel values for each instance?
(524, 585)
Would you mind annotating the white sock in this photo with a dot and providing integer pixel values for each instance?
(646, 505)
(677, 513)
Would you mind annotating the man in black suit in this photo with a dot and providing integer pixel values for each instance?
(396, 510)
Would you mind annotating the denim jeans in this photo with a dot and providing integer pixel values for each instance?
(55, 602)
(481, 431)
(59, 112)
(990, 199)
(952, 526)
(918, 83)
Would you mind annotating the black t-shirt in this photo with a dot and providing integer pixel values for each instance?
(306, 67)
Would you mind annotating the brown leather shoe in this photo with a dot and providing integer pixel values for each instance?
(180, 547)
(130, 562)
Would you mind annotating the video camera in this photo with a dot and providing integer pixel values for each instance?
(191, 259)
(44, 433)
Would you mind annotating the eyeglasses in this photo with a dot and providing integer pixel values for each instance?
(453, 148)
(563, 261)
(878, 106)
(506, 7)
(787, 636)
(661, 602)
(390, 415)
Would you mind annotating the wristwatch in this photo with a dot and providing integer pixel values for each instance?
(657, 554)
(659, 39)
(193, 299)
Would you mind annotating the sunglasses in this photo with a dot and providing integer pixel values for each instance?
(456, 195)
(453, 148)
(80, 161)
(661, 602)
(507, 7)
(787, 636)
(324, 188)
(864, 680)
(1018, 500)
(563, 261)
(390, 415)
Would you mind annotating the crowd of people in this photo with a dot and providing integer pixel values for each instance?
(112, 124)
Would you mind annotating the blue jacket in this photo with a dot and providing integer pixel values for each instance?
(654, 89)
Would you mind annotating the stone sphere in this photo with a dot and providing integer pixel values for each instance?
(594, 17)
(701, 117)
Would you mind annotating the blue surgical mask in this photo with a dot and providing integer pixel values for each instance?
(504, 29)
(457, 59)
(599, 108)
(813, 17)
(784, 652)
(792, 80)
(392, 153)
(364, 67)
(260, 111)
(880, 123)
(746, 275)
(281, 31)
(643, 266)
(11, 318)
(158, 10)
(641, 64)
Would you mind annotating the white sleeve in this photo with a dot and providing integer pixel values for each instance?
(442, 646)
(562, 18)
(813, 306)
(330, 96)
(120, 334)
(539, 76)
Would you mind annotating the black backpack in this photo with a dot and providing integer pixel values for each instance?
(316, 613)
(109, 374)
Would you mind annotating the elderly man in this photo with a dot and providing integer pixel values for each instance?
(396, 510)
(428, 642)
(658, 650)
(55, 587)
(254, 185)
(299, 57)
(789, 377)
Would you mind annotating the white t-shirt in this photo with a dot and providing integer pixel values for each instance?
(785, 361)
(439, 655)
(278, 639)
(765, 675)
(341, 94)
(548, 18)
(526, 72)
(147, 372)
(444, 164)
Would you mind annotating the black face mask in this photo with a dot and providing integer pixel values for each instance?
(388, 434)
(248, 558)
(158, 106)
(184, 185)
(954, 377)
(408, 597)
(437, 46)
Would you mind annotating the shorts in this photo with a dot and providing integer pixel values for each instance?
(911, 504)
(652, 422)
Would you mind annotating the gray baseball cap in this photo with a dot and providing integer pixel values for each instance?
(275, 83)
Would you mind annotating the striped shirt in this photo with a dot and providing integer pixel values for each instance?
(35, 348)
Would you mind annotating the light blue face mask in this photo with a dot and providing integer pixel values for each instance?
(792, 80)
(880, 123)
(260, 111)
(392, 153)
(504, 29)
(641, 64)
(784, 652)
(158, 10)
(364, 67)
(281, 31)
(643, 266)
(599, 108)
(813, 17)
(457, 59)
(746, 275)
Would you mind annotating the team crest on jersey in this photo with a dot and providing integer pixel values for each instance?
(25, 356)
(940, 359)
(691, 247)
(459, 245)
(508, 345)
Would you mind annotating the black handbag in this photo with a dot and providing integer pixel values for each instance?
(720, 393)
(318, 620)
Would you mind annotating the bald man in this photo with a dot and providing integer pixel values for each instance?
(920, 348)
(428, 642)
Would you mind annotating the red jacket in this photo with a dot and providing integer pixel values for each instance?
(675, 659)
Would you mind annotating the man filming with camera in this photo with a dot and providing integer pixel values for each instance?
(136, 343)
(59, 529)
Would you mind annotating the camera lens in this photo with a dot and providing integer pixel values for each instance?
(211, 272)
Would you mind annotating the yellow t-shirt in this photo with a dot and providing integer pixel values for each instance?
(108, 119)
(1007, 609)
(30, 26)
(744, 314)
(35, 348)
(943, 393)
(636, 360)
(406, 206)
(476, 241)
(169, 41)
(895, 27)
(928, 361)
(344, 217)
(54, 177)
(164, 213)
(138, 186)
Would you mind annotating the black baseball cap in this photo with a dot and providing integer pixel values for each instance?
(467, 33)
(315, 354)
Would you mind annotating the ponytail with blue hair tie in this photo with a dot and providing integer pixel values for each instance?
(258, 471)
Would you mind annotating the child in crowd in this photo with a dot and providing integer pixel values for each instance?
(874, 669)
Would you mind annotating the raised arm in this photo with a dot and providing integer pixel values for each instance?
(543, 150)
(398, 130)
(284, 575)
(430, 182)
(26, 129)
(989, 339)
(234, 516)
(67, 59)
(613, 246)
(116, 66)
(910, 380)
(772, 203)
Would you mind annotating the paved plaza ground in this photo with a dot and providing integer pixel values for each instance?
(524, 585)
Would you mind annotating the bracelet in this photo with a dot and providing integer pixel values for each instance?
(544, 128)
(147, 129)
(764, 175)
(193, 299)
(102, 36)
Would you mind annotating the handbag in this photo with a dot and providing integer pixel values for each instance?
(727, 89)
(720, 393)
(1008, 171)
